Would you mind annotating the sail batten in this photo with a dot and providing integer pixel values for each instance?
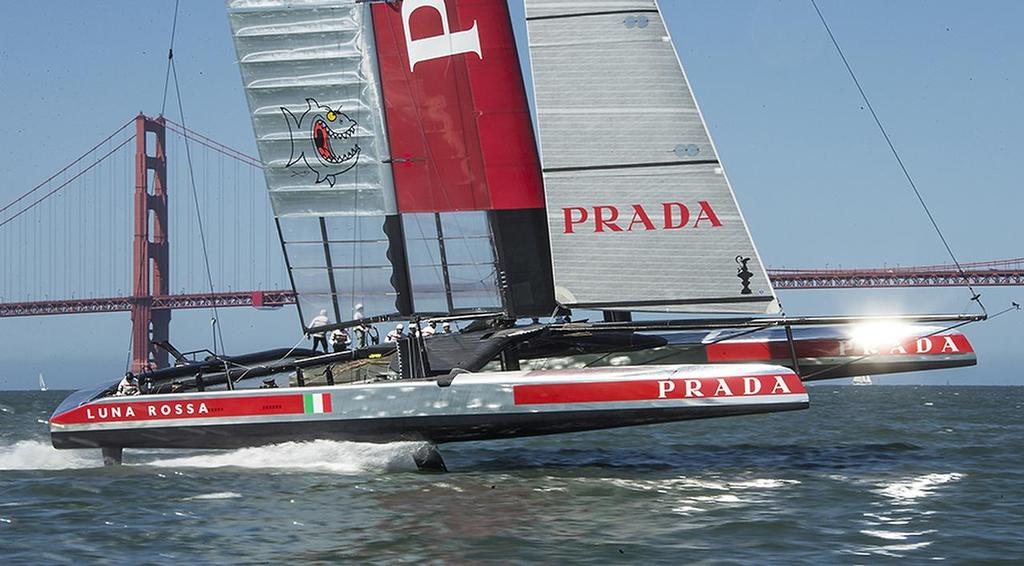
(640, 213)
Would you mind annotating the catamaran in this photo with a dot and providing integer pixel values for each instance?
(406, 179)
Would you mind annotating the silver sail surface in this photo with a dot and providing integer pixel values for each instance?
(309, 72)
(640, 213)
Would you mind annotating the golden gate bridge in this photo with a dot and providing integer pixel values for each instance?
(65, 241)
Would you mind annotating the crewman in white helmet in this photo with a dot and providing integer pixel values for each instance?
(321, 337)
(340, 340)
(129, 385)
(430, 330)
(361, 330)
(395, 335)
(446, 328)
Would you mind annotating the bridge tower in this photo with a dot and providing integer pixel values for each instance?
(150, 259)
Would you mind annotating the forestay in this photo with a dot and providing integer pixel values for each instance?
(640, 213)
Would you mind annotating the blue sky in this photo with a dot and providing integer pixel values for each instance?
(816, 182)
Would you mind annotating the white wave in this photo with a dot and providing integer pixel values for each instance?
(637, 485)
(918, 487)
(36, 455)
(896, 535)
(887, 519)
(213, 496)
(549, 489)
(724, 498)
(688, 483)
(689, 495)
(319, 455)
(896, 550)
(698, 483)
(766, 483)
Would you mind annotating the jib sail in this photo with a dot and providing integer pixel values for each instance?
(640, 213)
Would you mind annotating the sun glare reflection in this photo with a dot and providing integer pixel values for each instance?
(881, 334)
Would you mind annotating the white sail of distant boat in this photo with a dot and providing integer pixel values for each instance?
(862, 380)
(42, 383)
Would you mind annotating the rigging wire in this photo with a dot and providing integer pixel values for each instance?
(218, 333)
(163, 107)
(170, 58)
(975, 296)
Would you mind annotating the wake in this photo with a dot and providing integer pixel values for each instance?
(319, 455)
(326, 456)
(39, 455)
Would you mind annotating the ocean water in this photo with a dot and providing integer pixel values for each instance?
(868, 475)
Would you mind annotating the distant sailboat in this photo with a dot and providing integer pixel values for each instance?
(862, 380)
(42, 383)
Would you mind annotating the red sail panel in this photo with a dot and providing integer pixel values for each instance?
(457, 117)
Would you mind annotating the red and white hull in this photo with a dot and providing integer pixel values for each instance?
(474, 407)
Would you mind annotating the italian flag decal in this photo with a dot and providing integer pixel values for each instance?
(316, 403)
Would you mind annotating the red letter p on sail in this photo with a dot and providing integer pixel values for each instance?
(571, 219)
(446, 44)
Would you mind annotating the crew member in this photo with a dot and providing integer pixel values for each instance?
(430, 330)
(446, 328)
(129, 385)
(340, 340)
(357, 315)
(371, 331)
(395, 335)
(319, 338)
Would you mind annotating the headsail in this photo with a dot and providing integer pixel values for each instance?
(640, 212)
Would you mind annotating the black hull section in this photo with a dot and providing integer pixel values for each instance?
(434, 429)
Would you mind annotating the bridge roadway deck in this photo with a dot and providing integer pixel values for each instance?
(1003, 273)
(258, 299)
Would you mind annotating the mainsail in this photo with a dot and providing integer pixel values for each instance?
(315, 100)
(466, 169)
(399, 169)
(640, 213)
